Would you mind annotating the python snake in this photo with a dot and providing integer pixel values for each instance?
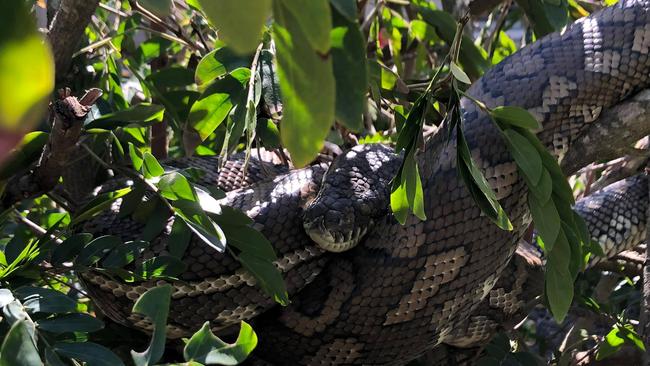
(404, 288)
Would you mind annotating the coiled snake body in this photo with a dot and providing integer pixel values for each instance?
(403, 289)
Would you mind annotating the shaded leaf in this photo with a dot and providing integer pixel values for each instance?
(515, 116)
(92, 354)
(267, 275)
(70, 247)
(96, 249)
(43, 300)
(546, 219)
(69, 323)
(525, 155)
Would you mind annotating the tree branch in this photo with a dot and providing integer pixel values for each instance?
(66, 30)
(612, 135)
(67, 116)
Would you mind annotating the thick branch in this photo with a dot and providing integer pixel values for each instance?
(68, 114)
(612, 135)
(66, 30)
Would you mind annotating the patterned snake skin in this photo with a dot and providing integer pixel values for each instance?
(404, 289)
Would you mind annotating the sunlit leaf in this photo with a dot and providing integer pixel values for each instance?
(208, 349)
(153, 304)
(218, 63)
(308, 111)
(18, 347)
(28, 69)
(239, 22)
(459, 74)
(313, 19)
(349, 63)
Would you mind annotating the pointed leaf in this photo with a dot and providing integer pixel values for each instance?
(153, 304)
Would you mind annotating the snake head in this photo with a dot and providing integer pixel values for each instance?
(355, 192)
(333, 225)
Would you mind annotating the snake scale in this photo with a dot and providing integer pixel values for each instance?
(404, 288)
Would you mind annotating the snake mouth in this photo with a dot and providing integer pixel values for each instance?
(330, 239)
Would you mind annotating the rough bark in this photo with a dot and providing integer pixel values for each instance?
(67, 116)
(613, 134)
(66, 30)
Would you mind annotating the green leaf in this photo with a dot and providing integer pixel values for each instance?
(313, 19)
(151, 166)
(471, 57)
(153, 304)
(43, 300)
(124, 254)
(525, 155)
(267, 275)
(544, 188)
(272, 101)
(96, 249)
(179, 239)
(160, 8)
(249, 240)
(28, 77)
(347, 8)
(239, 22)
(174, 186)
(69, 323)
(478, 186)
(459, 74)
(92, 354)
(68, 250)
(515, 116)
(546, 219)
(307, 85)
(18, 348)
(558, 280)
(268, 132)
(201, 224)
(212, 108)
(161, 266)
(171, 78)
(218, 63)
(408, 194)
(136, 157)
(143, 114)
(99, 204)
(613, 342)
(208, 349)
(349, 65)
(26, 152)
